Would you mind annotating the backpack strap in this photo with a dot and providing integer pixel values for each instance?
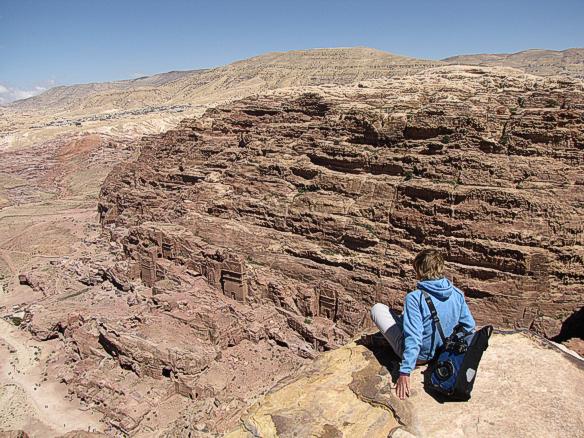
(434, 315)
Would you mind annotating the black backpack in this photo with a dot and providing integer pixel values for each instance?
(453, 370)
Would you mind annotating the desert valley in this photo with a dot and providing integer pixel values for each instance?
(195, 253)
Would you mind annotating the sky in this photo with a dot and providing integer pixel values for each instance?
(44, 43)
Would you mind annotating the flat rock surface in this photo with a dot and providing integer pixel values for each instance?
(525, 387)
(321, 403)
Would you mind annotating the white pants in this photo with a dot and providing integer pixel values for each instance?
(388, 325)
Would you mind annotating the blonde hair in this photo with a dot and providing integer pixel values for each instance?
(429, 264)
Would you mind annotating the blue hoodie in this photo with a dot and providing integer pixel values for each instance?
(420, 336)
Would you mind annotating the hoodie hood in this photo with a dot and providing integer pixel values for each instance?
(440, 289)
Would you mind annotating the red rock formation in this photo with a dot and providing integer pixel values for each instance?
(246, 241)
(134, 355)
(316, 202)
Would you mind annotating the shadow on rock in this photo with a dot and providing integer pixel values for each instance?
(384, 354)
(572, 327)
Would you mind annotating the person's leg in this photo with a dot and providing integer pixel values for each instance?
(386, 323)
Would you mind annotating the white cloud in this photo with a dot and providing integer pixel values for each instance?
(9, 94)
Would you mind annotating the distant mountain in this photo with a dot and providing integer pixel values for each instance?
(269, 71)
(275, 70)
(539, 62)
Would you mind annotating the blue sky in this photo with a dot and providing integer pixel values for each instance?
(49, 42)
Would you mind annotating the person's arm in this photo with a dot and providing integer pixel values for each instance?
(466, 319)
(413, 330)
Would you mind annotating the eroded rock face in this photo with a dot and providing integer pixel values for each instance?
(315, 201)
(149, 357)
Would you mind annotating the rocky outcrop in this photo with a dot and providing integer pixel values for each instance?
(145, 357)
(348, 392)
(315, 201)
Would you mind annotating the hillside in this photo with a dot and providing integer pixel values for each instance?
(242, 244)
(276, 70)
(239, 79)
(55, 150)
(569, 63)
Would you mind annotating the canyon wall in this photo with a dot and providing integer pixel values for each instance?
(315, 200)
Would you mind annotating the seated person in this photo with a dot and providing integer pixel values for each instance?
(413, 335)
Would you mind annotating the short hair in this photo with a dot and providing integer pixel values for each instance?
(429, 264)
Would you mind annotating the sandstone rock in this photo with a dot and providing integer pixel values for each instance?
(576, 345)
(518, 372)
(17, 317)
(316, 201)
(184, 351)
(320, 402)
(255, 238)
(30, 279)
(13, 434)
(83, 434)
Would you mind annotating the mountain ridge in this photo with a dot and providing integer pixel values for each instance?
(541, 62)
(352, 64)
(261, 72)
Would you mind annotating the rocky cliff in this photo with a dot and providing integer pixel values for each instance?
(238, 247)
(315, 201)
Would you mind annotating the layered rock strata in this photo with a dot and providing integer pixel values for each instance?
(315, 201)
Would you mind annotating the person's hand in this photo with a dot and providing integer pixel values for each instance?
(402, 387)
